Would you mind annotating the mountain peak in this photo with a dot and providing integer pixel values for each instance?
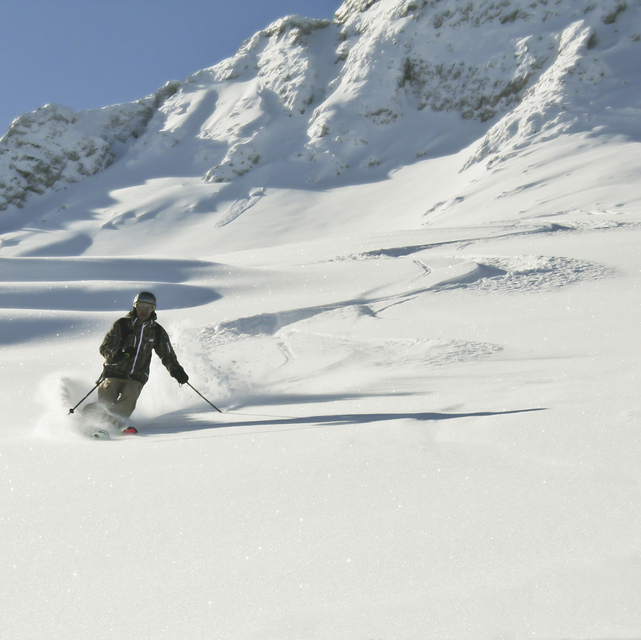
(386, 82)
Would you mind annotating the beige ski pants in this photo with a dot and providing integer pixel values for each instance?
(119, 396)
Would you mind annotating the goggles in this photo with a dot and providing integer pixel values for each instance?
(145, 306)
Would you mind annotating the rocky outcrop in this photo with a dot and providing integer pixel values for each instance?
(382, 84)
(55, 146)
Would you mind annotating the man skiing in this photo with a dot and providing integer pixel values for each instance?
(127, 351)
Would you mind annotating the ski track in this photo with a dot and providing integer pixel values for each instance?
(283, 341)
(526, 274)
(240, 206)
(56, 289)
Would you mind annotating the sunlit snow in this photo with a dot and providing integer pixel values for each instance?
(400, 251)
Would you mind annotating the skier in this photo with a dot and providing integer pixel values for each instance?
(127, 351)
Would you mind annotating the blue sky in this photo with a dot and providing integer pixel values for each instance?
(87, 54)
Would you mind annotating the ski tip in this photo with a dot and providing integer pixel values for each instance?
(100, 434)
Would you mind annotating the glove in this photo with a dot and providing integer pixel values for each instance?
(129, 352)
(125, 354)
(179, 374)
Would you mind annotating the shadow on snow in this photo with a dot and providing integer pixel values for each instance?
(169, 424)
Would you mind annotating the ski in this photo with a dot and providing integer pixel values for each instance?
(100, 434)
(104, 434)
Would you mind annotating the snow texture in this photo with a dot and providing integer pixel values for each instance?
(400, 251)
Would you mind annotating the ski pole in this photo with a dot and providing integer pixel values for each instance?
(74, 408)
(203, 397)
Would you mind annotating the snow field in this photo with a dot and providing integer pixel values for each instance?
(429, 373)
(428, 430)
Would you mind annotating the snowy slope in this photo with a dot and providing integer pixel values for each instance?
(309, 104)
(400, 251)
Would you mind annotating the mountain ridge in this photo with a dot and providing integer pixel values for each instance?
(386, 82)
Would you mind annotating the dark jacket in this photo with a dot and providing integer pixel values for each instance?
(143, 337)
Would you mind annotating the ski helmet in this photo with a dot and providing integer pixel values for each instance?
(146, 297)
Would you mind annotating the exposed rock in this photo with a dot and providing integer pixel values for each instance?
(384, 83)
(55, 146)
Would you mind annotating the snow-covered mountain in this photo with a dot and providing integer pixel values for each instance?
(381, 85)
(400, 251)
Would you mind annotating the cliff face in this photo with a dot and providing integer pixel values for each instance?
(55, 146)
(384, 82)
